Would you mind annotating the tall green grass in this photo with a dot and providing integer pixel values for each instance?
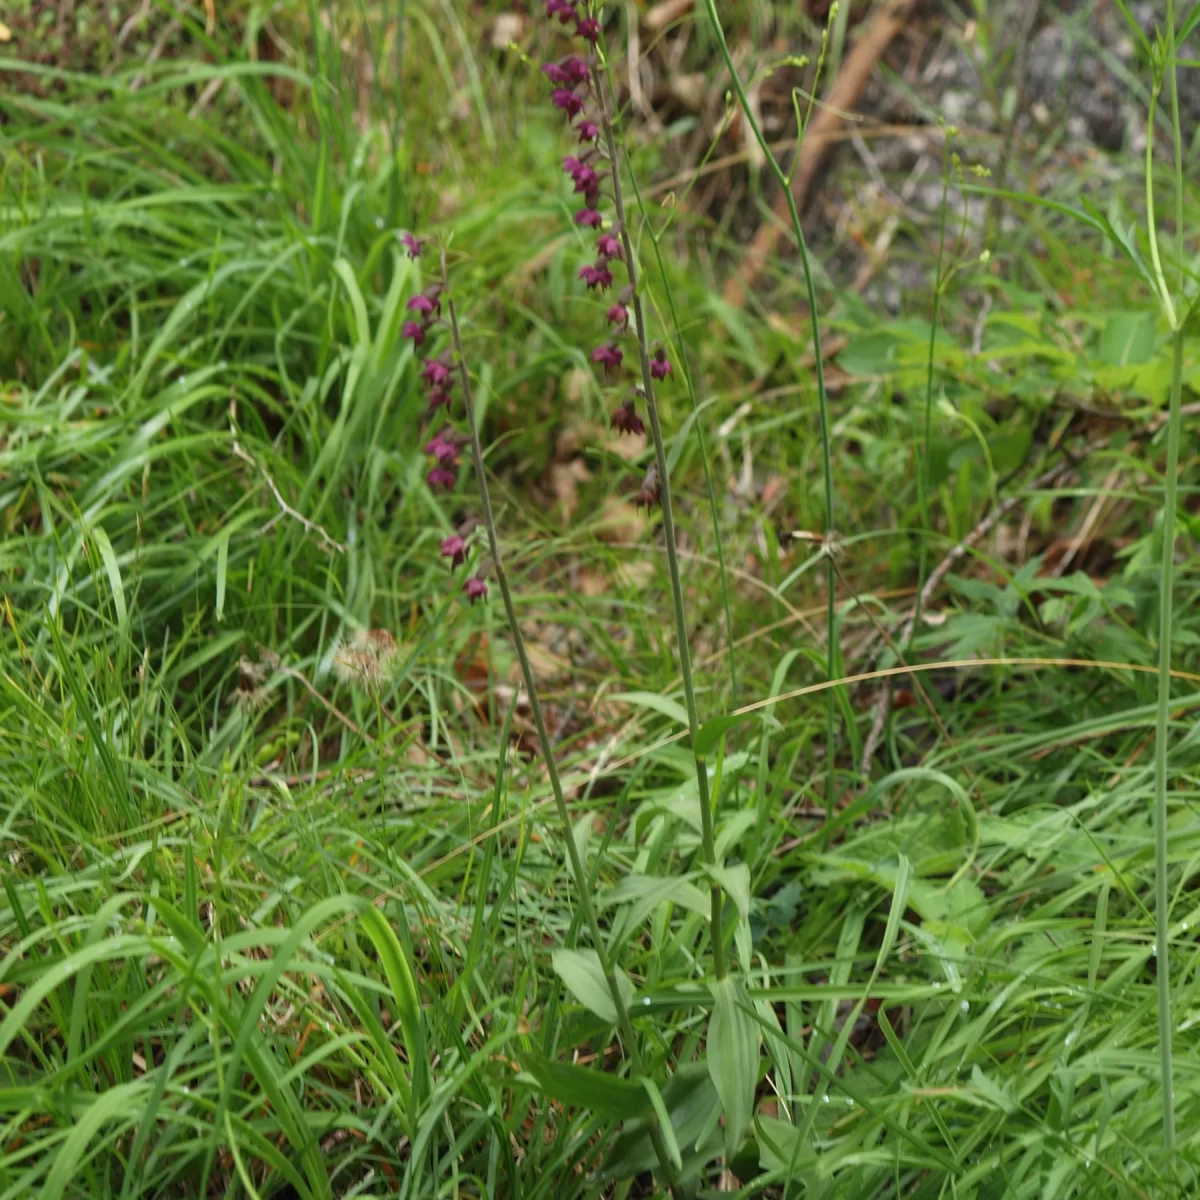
(261, 935)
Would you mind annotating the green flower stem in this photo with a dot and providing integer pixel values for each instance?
(1162, 900)
(578, 871)
(707, 838)
(822, 395)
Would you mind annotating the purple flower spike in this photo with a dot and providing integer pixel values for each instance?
(618, 316)
(589, 218)
(414, 245)
(455, 549)
(571, 164)
(444, 448)
(564, 10)
(570, 103)
(441, 477)
(609, 355)
(425, 305)
(588, 130)
(475, 588)
(659, 367)
(575, 69)
(608, 246)
(411, 329)
(554, 73)
(596, 276)
(586, 180)
(435, 372)
(626, 420)
(588, 28)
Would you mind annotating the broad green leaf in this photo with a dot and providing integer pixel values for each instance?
(362, 325)
(1127, 340)
(583, 976)
(222, 576)
(777, 1048)
(900, 891)
(735, 883)
(663, 1116)
(733, 1057)
(733, 830)
(694, 1109)
(112, 570)
(780, 1147)
(660, 704)
(1009, 450)
(711, 732)
(596, 1091)
(644, 894)
(400, 976)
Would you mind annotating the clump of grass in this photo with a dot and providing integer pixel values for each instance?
(253, 943)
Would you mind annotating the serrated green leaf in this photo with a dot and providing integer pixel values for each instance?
(583, 976)
(733, 1057)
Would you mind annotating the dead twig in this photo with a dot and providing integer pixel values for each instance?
(287, 509)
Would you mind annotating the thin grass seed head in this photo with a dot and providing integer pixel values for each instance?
(367, 660)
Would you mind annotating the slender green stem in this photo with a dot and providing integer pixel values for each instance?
(822, 395)
(923, 467)
(1164, 292)
(1162, 900)
(1176, 141)
(707, 837)
(578, 870)
(681, 349)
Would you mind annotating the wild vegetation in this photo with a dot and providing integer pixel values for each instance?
(496, 702)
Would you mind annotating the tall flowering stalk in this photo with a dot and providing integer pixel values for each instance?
(579, 92)
(440, 375)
